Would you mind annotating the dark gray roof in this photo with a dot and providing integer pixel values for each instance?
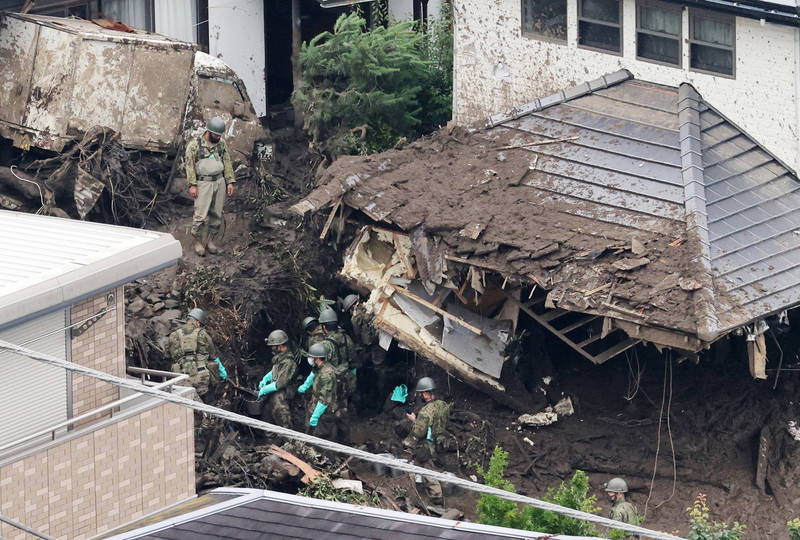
(258, 514)
(667, 155)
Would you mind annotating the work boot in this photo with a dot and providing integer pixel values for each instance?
(199, 248)
(211, 247)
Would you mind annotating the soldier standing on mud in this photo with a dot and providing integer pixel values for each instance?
(191, 351)
(209, 175)
(367, 336)
(277, 382)
(622, 510)
(428, 432)
(324, 414)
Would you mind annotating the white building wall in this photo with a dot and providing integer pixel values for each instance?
(237, 36)
(497, 68)
(403, 10)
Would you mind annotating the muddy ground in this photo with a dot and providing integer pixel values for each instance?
(710, 415)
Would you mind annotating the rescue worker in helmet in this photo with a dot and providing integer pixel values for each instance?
(324, 414)
(276, 385)
(368, 350)
(193, 352)
(622, 510)
(209, 175)
(343, 357)
(428, 432)
(313, 330)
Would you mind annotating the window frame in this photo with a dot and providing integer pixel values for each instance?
(724, 17)
(620, 26)
(677, 8)
(540, 37)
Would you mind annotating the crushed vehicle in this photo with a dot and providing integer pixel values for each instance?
(64, 77)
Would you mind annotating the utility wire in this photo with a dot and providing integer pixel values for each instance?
(20, 526)
(335, 447)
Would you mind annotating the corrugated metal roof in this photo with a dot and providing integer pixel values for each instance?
(261, 514)
(49, 262)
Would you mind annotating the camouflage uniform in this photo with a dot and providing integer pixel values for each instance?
(344, 359)
(625, 512)
(284, 370)
(193, 352)
(325, 390)
(428, 433)
(315, 336)
(367, 336)
(211, 190)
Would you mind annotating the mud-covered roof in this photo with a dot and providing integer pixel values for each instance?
(644, 204)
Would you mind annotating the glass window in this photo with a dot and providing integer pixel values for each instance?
(658, 32)
(545, 18)
(600, 24)
(712, 42)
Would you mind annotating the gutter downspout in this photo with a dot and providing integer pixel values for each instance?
(694, 191)
(796, 163)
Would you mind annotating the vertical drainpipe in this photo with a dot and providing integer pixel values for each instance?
(796, 161)
(694, 196)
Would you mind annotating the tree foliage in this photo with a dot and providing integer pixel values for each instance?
(574, 494)
(794, 529)
(364, 90)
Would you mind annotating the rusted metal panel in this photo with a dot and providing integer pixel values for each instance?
(104, 104)
(157, 93)
(17, 50)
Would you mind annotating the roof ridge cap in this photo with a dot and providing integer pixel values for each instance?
(562, 96)
(694, 198)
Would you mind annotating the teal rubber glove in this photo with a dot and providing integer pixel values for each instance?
(266, 380)
(400, 393)
(223, 373)
(268, 389)
(306, 385)
(353, 371)
(429, 436)
(318, 410)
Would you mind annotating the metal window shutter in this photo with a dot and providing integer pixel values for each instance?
(33, 395)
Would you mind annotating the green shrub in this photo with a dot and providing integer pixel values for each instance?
(702, 528)
(496, 511)
(363, 91)
(794, 529)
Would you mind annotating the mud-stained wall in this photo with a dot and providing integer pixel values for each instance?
(496, 68)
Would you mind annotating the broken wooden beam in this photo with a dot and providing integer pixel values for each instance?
(329, 221)
(408, 294)
(310, 474)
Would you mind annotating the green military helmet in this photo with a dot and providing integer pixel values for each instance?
(349, 301)
(216, 126)
(197, 314)
(318, 350)
(277, 337)
(309, 321)
(617, 485)
(425, 384)
(328, 315)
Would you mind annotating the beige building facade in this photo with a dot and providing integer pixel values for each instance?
(79, 456)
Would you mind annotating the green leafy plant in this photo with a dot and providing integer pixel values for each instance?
(322, 488)
(702, 528)
(573, 494)
(366, 90)
(794, 529)
(201, 285)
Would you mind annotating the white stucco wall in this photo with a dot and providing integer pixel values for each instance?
(236, 34)
(497, 68)
(403, 10)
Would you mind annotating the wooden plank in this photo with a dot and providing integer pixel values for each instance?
(590, 340)
(310, 472)
(408, 294)
(617, 349)
(329, 221)
(582, 322)
(536, 317)
(554, 314)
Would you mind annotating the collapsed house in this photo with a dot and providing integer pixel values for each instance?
(614, 213)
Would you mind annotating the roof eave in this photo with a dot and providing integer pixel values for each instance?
(64, 290)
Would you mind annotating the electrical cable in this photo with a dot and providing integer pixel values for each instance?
(671, 442)
(20, 526)
(658, 437)
(287, 433)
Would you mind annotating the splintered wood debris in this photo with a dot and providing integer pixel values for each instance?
(592, 256)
